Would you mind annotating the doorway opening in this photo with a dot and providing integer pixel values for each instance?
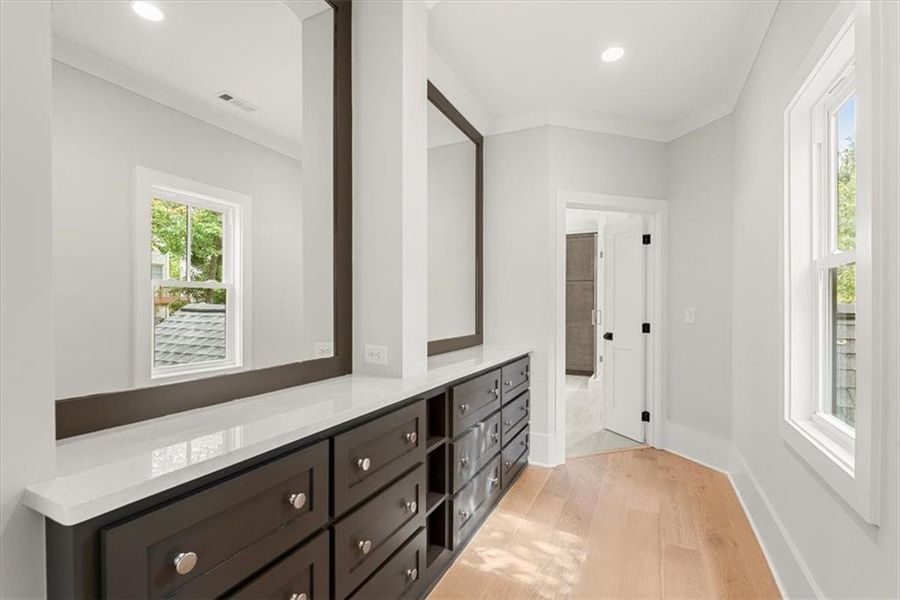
(609, 323)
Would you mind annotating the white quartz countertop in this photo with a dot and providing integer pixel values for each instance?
(102, 471)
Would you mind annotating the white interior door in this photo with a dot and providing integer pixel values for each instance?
(623, 357)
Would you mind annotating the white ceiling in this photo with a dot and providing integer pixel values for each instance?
(685, 60)
(252, 49)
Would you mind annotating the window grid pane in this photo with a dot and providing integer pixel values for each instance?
(845, 175)
(842, 343)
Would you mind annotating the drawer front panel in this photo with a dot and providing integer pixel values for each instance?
(473, 400)
(303, 571)
(474, 448)
(515, 377)
(373, 454)
(474, 501)
(515, 456)
(514, 415)
(398, 577)
(371, 533)
(175, 546)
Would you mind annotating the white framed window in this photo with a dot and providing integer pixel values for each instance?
(830, 399)
(189, 266)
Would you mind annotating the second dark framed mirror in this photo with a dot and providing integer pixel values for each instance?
(455, 228)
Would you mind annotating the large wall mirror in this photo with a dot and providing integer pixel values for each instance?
(454, 228)
(201, 203)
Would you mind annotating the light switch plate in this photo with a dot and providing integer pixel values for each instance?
(689, 315)
(376, 355)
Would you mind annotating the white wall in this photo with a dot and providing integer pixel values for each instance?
(523, 171)
(699, 191)
(844, 557)
(451, 240)
(390, 189)
(100, 133)
(26, 299)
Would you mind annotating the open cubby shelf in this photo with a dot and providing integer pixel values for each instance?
(433, 442)
(432, 500)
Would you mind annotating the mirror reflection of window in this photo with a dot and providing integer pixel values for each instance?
(451, 229)
(159, 286)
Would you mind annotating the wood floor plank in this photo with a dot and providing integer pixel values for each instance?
(639, 524)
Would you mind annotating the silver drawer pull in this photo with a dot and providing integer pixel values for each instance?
(524, 373)
(494, 482)
(507, 423)
(364, 464)
(300, 596)
(365, 546)
(495, 391)
(412, 574)
(524, 442)
(185, 562)
(508, 464)
(464, 460)
(464, 514)
(524, 407)
(298, 500)
(508, 382)
(412, 506)
(411, 437)
(494, 436)
(464, 408)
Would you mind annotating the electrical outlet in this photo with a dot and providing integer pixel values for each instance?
(689, 315)
(376, 355)
(324, 349)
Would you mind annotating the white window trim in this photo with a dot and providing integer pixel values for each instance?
(236, 208)
(854, 473)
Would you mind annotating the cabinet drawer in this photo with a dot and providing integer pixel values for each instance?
(474, 501)
(371, 533)
(302, 575)
(206, 543)
(373, 454)
(473, 400)
(398, 576)
(515, 378)
(515, 457)
(514, 415)
(473, 449)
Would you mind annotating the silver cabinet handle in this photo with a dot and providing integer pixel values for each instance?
(508, 382)
(464, 514)
(464, 408)
(411, 437)
(298, 500)
(524, 407)
(412, 506)
(185, 562)
(494, 436)
(495, 391)
(412, 574)
(507, 423)
(494, 482)
(364, 464)
(507, 464)
(300, 596)
(365, 546)
(464, 460)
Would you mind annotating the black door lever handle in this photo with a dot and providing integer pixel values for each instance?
(608, 336)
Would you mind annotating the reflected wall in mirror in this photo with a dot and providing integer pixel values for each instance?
(454, 228)
(192, 189)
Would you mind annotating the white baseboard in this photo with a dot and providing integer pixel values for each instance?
(792, 575)
(701, 447)
(540, 454)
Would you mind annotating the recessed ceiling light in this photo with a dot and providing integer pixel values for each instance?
(148, 11)
(612, 54)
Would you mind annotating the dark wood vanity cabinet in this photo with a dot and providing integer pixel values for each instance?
(375, 508)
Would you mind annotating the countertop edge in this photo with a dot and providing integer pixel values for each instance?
(44, 502)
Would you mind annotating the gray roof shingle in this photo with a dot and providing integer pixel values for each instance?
(194, 333)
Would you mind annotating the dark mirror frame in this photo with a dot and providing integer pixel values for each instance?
(85, 414)
(466, 341)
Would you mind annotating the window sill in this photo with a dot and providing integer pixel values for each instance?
(829, 459)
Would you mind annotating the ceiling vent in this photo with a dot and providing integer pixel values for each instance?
(226, 96)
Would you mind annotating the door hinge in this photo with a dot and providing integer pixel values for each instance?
(645, 416)
(645, 327)
(646, 239)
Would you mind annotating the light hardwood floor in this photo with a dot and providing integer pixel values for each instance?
(636, 524)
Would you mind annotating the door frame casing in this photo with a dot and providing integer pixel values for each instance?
(656, 213)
